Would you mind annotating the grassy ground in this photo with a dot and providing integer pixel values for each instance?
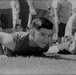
(37, 65)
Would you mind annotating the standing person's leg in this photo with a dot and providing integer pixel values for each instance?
(1, 13)
(61, 32)
(29, 21)
(55, 28)
(1, 49)
(8, 20)
(25, 21)
(24, 16)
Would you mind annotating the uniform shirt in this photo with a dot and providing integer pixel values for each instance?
(22, 47)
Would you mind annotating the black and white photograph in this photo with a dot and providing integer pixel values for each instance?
(38, 37)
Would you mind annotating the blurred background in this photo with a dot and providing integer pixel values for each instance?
(73, 3)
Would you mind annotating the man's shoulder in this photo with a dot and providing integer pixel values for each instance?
(19, 34)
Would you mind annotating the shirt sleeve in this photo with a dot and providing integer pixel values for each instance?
(18, 38)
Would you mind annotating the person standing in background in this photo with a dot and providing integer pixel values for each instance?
(52, 18)
(16, 10)
(71, 25)
(6, 16)
(64, 11)
(24, 13)
(70, 31)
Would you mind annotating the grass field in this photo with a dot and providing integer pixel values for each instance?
(38, 65)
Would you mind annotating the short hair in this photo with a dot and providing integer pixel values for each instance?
(41, 22)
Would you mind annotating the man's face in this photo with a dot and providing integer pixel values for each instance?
(42, 37)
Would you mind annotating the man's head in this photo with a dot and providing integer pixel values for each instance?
(41, 31)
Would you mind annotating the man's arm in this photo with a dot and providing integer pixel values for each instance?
(57, 11)
(7, 40)
(55, 49)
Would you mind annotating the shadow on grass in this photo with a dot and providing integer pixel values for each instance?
(54, 56)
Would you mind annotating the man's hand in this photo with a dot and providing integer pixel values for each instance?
(68, 38)
(64, 45)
